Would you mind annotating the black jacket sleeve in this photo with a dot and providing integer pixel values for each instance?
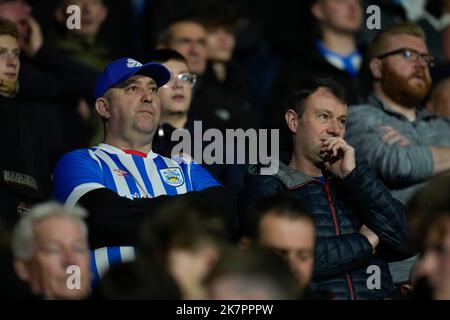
(378, 209)
(339, 254)
(115, 220)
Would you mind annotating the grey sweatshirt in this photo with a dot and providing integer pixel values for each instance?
(403, 169)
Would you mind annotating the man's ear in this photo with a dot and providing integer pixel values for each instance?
(316, 11)
(245, 243)
(21, 268)
(60, 15)
(292, 120)
(103, 14)
(102, 107)
(375, 68)
(430, 106)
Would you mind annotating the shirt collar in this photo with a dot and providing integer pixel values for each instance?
(421, 112)
(114, 150)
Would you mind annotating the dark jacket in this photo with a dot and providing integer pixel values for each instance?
(24, 164)
(340, 208)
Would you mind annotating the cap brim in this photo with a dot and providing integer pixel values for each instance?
(156, 71)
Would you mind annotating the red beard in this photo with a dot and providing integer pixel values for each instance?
(401, 91)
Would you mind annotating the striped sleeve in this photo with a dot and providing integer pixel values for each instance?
(75, 174)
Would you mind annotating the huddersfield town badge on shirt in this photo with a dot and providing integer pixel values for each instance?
(172, 176)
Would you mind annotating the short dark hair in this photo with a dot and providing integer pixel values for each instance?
(184, 224)
(165, 36)
(8, 27)
(280, 204)
(257, 269)
(216, 14)
(308, 86)
(164, 55)
(429, 205)
(143, 279)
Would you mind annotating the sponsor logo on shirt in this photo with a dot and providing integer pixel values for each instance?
(120, 173)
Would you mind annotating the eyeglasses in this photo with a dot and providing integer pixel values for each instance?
(411, 55)
(188, 78)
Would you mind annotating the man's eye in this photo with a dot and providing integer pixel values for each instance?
(154, 89)
(343, 122)
(184, 77)
(132, 88)
(323, 116)
(408, 54)
(51, 250)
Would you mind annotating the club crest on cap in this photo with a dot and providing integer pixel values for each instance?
(131, 63)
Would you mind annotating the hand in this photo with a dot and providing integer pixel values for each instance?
(371, 236)
(339, 157)
(34, 41)
(391, 136)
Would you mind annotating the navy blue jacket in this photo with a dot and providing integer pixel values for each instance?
(340, 207)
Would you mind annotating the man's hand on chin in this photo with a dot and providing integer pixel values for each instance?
(339, 157)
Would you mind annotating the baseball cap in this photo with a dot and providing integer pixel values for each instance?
(121, 69)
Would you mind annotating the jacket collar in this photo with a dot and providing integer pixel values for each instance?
(290, 177)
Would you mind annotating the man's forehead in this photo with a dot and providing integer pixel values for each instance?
(324, 100)
(188, 29)
(398, 41)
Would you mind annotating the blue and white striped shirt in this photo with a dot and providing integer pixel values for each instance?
(129, 175)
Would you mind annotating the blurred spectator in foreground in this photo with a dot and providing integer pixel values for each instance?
(285, 226)
(429, 212)
(51, 252)
(189, 239)
(251, 274)
(137, 281)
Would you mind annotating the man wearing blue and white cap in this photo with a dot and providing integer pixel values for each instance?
(121, 180)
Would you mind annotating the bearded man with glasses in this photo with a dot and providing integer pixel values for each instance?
(406, 144)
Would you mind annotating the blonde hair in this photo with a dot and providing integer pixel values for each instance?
(379, 43)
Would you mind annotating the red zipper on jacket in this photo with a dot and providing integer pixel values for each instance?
(338, 232)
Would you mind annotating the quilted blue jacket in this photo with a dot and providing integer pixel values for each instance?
(340, 207)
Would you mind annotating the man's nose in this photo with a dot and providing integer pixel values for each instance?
(334, 129)
(70, 257)
(12, 61)
(148, 96)
(428, 264)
